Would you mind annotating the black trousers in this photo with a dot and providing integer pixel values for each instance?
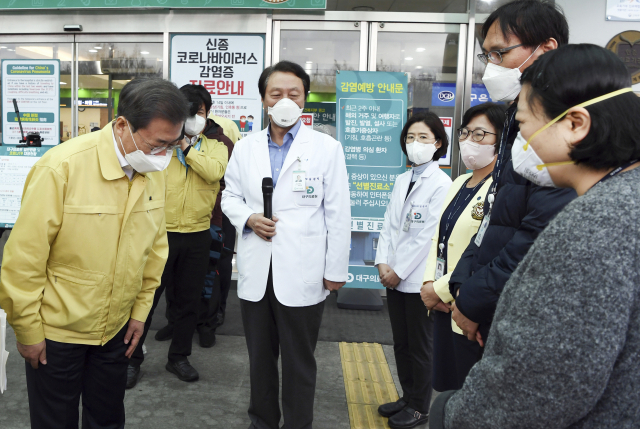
(225, 268)
(412, 329)
(99, 373)
(467, 354)
(445, 369)
(271, 327)
(183, 278)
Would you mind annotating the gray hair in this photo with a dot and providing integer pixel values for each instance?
(145, 99)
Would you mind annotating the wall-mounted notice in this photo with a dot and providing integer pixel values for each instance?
(623, 10)
(15, 164)
(324, 116)
(371, 111)
(228, 66)
(35, 84)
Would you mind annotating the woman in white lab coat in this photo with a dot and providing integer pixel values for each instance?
(405, 240)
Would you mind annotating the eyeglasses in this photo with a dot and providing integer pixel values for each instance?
(496, 56)
(476, 135)
(420, 139)
(154, 150)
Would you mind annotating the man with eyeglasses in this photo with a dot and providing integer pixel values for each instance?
(86, 255)
(515, 209)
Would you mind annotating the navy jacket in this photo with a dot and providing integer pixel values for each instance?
(521, 211)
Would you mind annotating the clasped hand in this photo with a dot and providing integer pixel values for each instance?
(431, 299)
(468, 326)
(388, 277)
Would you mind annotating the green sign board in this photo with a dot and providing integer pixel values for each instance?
(223, 4)
(371, 111)
(31, 117)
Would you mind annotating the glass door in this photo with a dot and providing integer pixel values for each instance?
(322, 48)
(105, 64)
(433, 57)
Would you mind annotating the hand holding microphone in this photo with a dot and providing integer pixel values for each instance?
(264, 224)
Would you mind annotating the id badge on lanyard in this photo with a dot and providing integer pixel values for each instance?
(299, 179)
(407, 219)
(440, 263)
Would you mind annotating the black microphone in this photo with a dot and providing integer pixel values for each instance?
(267, 195)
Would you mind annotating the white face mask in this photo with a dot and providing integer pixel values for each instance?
(194, 125)
(142, 162)
(526, 163)
(502, 83)
(419, 153)
(285, 112)
(475, 155)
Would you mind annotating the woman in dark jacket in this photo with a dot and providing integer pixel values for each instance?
(564, 345)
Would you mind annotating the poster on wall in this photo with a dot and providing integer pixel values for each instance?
(371, 111)
(15, 164)
(35, 85)
(623, 10)
(228, 66)
(324, 116)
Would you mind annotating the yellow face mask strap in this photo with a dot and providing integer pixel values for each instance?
(585, 104)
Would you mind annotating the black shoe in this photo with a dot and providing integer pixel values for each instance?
(391, 408)
(165, 333)
(183, 370)
(207, 338)
(220, 318)
(133, 375)
(407, 418)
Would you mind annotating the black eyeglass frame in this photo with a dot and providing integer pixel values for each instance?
(485, 58)
(469, 132)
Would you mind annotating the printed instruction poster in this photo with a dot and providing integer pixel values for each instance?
(228, 66)
(371, 111)
(35, 85)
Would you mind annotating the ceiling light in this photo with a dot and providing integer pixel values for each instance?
(409, 58)
(3, 47)
(92, 50)
(363, 8)
(420, 50)
(309, 62)
(418, 67)
(97, 47)
(12, 50)
(160, 59)
(402, 50)
(144, 52)
(309, 49)
(63, 83)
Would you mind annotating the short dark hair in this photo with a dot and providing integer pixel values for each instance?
(284, 67)
(145, 99)
(197, 95)
(574, 74)
(250, 116)
(495, 113)
(434, 123)
(532, 21)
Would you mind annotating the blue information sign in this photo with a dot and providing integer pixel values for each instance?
(371, 111)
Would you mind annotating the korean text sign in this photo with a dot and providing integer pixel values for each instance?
(229, 67)
(371, 111)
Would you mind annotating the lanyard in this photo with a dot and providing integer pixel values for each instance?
(456, 208)
(617, 171)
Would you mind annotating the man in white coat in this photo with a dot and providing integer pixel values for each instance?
(287, 266)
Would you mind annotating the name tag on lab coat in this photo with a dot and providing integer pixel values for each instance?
(299, 181)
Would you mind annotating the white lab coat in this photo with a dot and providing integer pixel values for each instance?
(406, 252)
(314, 227)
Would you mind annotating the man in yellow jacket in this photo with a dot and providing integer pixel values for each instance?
(86, 255)
(193, 183)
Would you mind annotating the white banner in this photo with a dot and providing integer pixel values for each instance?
(623, 10)
(35, 85)
(228, 66)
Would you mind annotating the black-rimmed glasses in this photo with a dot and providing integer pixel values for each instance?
(496, 56)
(476, 135)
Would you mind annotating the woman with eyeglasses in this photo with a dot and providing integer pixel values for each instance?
(479, 138)
(565, 340)
(403, 247)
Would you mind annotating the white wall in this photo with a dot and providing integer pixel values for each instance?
(588, 24)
